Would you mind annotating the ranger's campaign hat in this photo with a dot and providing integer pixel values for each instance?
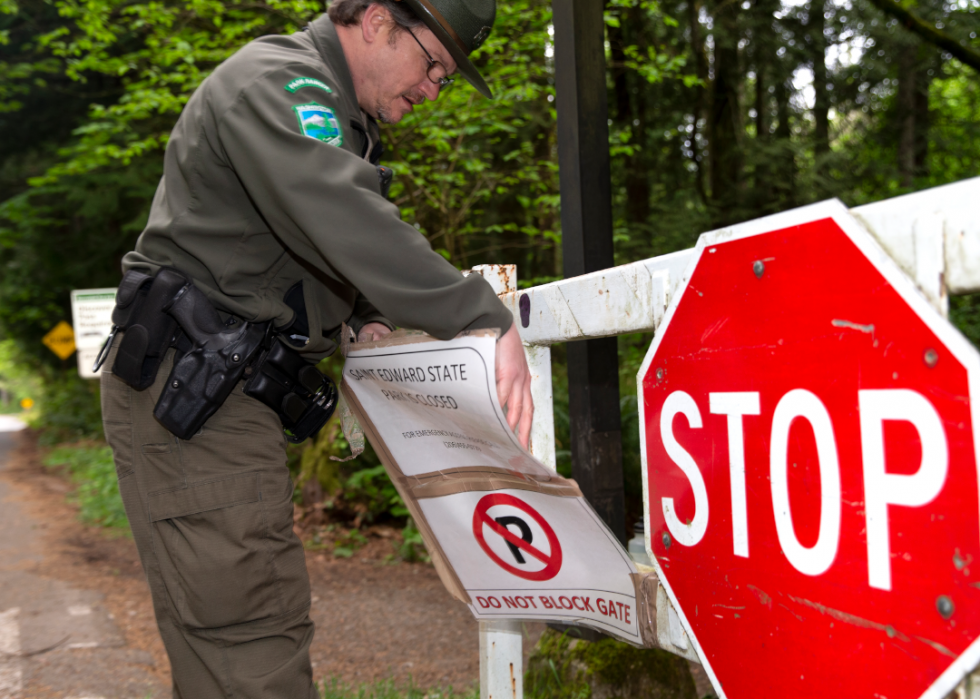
(462, 26)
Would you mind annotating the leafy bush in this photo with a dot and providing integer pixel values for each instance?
(93, 472)
(68, 409)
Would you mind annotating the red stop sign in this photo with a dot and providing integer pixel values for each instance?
(810, 471)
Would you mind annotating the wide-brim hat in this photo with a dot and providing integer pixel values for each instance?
(462, 26)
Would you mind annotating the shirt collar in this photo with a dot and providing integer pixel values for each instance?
(328, 45)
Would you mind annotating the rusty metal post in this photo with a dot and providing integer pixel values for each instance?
(586, 221)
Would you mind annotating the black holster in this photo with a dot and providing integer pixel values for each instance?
(303, 397)
(207, 373)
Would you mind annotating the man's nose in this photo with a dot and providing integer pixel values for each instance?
(430, 90)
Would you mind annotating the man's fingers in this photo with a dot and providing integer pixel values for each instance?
(503, 392)
(514, 405)
(527, 416)
(372, 332)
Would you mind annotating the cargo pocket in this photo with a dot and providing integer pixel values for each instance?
(162, 468)
(221, 556)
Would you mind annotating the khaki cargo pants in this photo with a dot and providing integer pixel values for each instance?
(213, 521)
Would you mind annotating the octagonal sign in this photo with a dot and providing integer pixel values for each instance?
(810, 467)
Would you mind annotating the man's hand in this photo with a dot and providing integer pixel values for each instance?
(373, 331)
(514, 384)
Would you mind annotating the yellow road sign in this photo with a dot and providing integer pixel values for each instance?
(61, 340)
(26, 403)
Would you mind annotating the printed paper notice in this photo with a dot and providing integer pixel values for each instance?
(435, 405)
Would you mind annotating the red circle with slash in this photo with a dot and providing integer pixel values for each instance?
(552, 560)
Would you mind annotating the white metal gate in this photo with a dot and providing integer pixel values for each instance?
(933, 235)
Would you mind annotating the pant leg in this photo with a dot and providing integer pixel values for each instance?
(212, 520)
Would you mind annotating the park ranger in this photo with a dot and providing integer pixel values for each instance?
(270, 231)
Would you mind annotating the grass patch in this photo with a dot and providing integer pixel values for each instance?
(387, 689)
(93, 472)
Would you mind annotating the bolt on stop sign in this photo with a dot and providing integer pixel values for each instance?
(810, 467)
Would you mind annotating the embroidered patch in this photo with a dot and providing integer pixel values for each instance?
(319, 122)
(297, 83)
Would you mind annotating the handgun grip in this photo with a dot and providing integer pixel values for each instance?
(199, 320)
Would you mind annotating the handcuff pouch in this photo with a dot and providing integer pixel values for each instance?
(301, 395)
(148, 331)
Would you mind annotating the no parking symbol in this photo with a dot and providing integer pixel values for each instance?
(522, 553)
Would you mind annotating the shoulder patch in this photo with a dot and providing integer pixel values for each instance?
(319, 122)
(296, 83)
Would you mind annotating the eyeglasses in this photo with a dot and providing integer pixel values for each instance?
(436, 72)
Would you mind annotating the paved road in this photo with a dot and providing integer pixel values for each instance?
(56, 641)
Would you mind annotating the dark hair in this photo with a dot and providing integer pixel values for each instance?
(347, 13)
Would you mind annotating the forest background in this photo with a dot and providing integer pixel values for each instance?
(720, 111)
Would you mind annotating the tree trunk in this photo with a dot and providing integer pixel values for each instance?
(764, 44)
(816, 24)
(701, 70)
(724, 124)
(906, 115)
(784, 176)
(923, 118)
(637, 181)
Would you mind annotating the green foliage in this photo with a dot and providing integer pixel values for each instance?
(93, 472)
(964, 312)
(68, 409)
(388, 689)
(477, 176)
(373, 494)
(412, 548)
(16, 380)
(561, 667)
(160, 52)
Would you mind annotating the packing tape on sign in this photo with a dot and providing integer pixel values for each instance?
(646, 583)
(470, 479)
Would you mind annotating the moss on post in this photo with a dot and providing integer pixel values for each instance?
(565, 668)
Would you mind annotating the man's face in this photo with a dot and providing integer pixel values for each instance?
(399, 79)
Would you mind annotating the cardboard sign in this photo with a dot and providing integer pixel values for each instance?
(509, 537)
(91, 312)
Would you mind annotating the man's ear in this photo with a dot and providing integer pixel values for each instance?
(374, 23)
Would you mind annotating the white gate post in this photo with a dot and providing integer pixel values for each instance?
(501, 642)
(501, 660)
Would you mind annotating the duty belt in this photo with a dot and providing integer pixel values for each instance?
(167, 310)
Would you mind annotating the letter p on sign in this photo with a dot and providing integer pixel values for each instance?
(882, 489)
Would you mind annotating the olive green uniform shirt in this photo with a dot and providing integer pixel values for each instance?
(266, 184)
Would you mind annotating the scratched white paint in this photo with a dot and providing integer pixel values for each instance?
(626, 299)
(501, 660)
(543, 426)
(933, 235)
(11, 672)
(670, 632)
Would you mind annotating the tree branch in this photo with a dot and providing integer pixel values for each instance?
(926, 31)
